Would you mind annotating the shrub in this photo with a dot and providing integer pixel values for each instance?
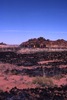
(43, 81)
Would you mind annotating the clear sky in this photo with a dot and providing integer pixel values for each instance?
(21, 20)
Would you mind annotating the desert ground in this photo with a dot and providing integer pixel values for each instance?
(34, 70)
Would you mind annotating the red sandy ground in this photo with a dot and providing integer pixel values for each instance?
(23, 82)
(7, 82)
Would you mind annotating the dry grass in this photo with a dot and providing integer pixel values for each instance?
(43, 81)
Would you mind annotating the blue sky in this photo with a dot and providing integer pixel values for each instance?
(21, 20)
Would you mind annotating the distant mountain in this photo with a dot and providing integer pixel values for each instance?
(42, 43)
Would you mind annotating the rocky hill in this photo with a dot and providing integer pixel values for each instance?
(42, 43)
(35, 43)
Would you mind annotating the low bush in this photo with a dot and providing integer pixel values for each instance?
(43, 81)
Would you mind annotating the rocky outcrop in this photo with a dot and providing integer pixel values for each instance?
(53, 93)
(43, 43)
(32, 59)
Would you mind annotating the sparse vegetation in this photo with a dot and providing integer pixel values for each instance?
(43, 81)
